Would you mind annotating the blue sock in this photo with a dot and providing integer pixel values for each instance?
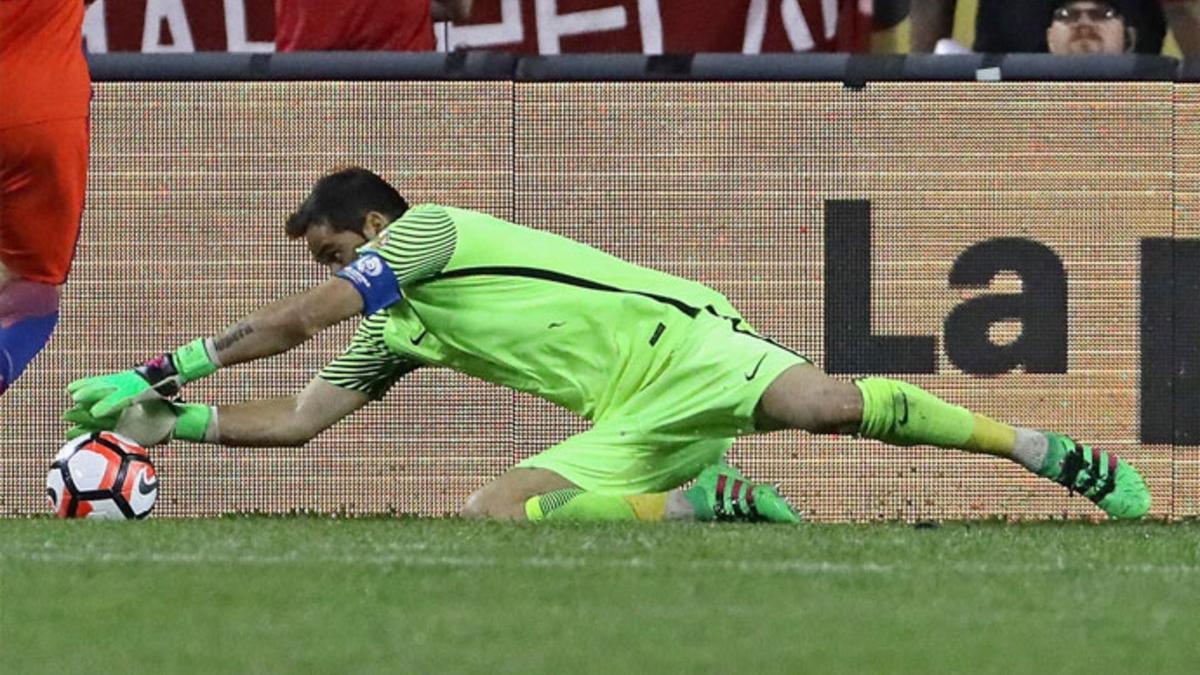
(20, 342)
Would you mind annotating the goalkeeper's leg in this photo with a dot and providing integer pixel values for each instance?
(718, 493)
(541, 494)
(900, 413)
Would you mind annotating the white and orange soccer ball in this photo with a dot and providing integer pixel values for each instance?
(102, 475)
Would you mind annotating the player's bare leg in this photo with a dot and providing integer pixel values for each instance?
(28, 314)
(899, 413)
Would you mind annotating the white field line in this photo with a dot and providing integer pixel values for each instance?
(796, 567)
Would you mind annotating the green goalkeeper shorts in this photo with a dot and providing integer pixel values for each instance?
(684, 420)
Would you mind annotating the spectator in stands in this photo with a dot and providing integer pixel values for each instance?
(1010, 26)
(1184, 19)
(362, 25)
(1088, 27)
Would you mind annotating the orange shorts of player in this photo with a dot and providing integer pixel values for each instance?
(43, 176)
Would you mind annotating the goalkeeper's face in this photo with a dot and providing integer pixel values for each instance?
(334, 249)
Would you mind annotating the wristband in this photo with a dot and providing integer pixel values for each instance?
(192, 361)
(193, 421)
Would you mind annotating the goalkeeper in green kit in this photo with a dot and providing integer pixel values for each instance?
(665, 368)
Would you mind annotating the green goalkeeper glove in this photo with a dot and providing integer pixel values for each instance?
(149, 423)
(159, 378)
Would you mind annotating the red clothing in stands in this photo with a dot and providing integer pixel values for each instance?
(354, 25)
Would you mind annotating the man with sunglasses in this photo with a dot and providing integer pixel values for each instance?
(1088, 27)
(1015, 26)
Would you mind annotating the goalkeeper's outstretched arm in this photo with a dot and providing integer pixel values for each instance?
(288, 421)
(273, 329)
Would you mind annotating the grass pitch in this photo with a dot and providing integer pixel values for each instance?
(308, 595)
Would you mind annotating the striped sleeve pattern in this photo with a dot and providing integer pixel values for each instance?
(367, 365)
(419, 245)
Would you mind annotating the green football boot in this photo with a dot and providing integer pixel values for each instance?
(1111, 483)
(722, 493)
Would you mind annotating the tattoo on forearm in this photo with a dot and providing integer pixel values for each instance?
(232, 336)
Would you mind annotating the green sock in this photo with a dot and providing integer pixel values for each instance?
(903, 414)
(578, 504)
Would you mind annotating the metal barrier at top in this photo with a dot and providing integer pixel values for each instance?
(850, 69)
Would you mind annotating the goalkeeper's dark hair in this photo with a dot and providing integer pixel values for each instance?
(342, 200)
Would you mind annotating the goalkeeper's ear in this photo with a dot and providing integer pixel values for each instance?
(374, 223)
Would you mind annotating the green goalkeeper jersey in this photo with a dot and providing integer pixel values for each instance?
(518, 307)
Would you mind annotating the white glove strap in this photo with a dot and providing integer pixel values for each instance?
(213, 433)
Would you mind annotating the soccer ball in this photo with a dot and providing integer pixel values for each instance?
(103, 475)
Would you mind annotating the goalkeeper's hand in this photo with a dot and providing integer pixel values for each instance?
(158, 378)
(150, 423)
